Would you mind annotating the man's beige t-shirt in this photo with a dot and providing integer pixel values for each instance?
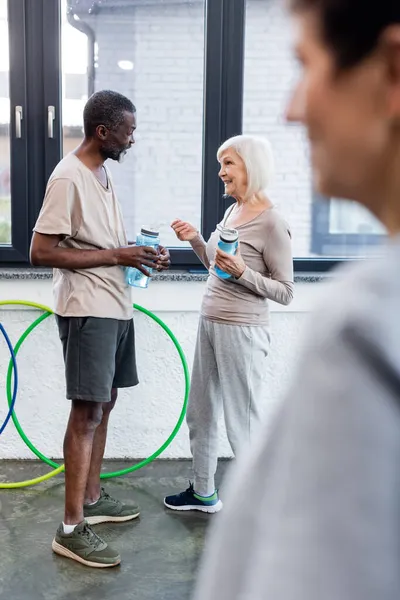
(88, 214)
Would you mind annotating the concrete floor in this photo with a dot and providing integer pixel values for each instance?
(160, 551)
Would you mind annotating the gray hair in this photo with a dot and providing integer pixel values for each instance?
(256, 153)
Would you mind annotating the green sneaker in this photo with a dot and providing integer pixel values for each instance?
(85, 546)
(109, 510)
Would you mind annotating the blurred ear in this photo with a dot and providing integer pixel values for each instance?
(390, 45)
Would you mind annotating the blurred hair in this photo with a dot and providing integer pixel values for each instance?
(352, 28)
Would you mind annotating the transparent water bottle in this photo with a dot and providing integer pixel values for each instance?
(133, 276)
(228, 242)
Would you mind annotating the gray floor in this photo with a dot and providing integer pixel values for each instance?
(160, 552)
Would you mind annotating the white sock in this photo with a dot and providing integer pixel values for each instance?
(91, 503)
(68, 528)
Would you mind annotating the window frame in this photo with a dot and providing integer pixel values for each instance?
(36, 41)
(17, 251)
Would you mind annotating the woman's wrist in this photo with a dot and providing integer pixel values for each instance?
(241, 273)
(196, 239)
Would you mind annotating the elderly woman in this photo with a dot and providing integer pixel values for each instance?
(234, 334)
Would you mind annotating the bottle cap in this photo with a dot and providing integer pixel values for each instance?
(228, 235)
(149, 232)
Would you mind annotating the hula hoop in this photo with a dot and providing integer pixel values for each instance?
(14, 362)
(20, 484)
(59, 469)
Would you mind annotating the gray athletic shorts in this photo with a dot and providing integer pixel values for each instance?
(99, 354)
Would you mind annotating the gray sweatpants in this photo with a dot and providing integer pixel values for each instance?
(228, 372)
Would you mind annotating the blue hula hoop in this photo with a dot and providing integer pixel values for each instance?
(15, 390)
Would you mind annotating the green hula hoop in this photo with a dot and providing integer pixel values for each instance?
(57, 468)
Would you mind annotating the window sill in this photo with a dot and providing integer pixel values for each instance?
(13, 274)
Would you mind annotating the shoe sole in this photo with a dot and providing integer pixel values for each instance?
(109, 519)
(62, 551)
(207, 509)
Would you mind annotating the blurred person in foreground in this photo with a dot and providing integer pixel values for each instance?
(313, 511)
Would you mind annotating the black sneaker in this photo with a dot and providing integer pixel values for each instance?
(85, 546)
(189, 500)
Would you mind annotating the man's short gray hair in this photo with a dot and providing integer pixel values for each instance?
(256, 153)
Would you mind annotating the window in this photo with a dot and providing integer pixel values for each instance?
(344, 229)
(5, 190)
(321, 227)
(13, 190)
(152, 52)
(199, 71)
